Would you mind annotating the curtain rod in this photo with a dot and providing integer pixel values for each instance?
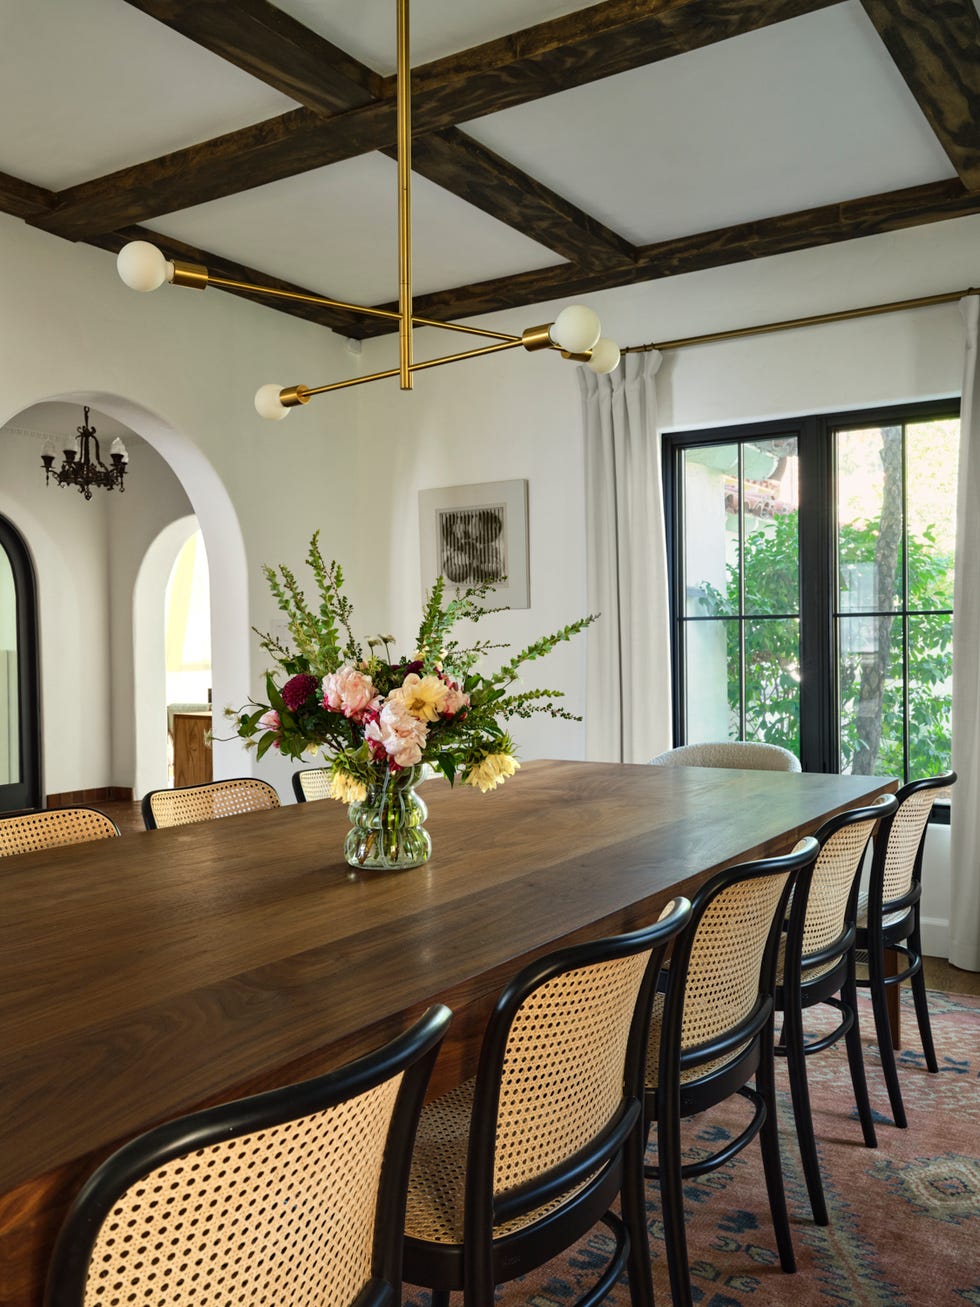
(842, 315)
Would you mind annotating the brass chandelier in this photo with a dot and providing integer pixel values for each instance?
(82, 466)
(575, 332)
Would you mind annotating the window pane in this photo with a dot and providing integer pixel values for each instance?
(932, 451)
(872, 708)
(870, 519)
(772, 682)
(711, 708)
(709, 473)
(930, 694)
(771, 525)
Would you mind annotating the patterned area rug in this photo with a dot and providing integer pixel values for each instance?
(905, 1217)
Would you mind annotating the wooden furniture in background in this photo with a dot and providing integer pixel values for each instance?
(190, 965)
(192, 754)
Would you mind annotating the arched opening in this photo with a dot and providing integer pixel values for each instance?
(20, 718)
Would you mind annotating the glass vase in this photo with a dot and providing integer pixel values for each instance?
(386, 827)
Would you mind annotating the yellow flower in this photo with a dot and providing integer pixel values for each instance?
(422, 696)
(346, 788)
(492, 771)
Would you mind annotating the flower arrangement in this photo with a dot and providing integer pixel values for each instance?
(379, 714)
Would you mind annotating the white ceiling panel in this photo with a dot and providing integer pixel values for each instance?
(795, 115)
(89, 86)
(334, 230)
(438, 28)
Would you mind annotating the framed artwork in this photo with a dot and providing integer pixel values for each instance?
(471, 534)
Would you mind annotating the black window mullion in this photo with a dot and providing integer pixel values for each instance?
(818, 598)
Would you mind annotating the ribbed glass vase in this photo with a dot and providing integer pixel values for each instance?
(387, 829)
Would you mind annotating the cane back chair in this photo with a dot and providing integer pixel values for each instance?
(191, 803)
(520, 1162)
(295, 1196)
(711, 1032)
(311, 783)
(888, 919)
(54, 826)
(750, 754)
(817, 968)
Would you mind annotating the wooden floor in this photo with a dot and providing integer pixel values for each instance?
(940, 974)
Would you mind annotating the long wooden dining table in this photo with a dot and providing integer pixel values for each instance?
(145, 976)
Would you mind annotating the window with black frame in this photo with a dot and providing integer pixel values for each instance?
(812, 586)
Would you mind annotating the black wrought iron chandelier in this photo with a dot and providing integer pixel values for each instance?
(81, 469)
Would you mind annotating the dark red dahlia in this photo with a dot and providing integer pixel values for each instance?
(298, 689)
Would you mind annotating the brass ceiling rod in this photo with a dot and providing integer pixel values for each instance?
(788, 324)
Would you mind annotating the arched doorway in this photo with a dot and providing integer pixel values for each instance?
(20, 719)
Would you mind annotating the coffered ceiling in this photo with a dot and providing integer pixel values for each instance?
(557, 149)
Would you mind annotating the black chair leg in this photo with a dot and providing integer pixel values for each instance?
(635, 1220)
(803, 1115)
(771, 1162)
(440, 1298)
(919, 995)
(855, 1060)
(672, 1209)
(884, 1032)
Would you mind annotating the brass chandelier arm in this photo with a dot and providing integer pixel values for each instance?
(301, 394)
(228, 283)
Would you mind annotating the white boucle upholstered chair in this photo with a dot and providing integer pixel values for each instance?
(730, 753)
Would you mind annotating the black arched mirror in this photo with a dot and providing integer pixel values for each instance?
(20, 717)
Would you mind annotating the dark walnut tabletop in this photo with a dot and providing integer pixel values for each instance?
(145, 976)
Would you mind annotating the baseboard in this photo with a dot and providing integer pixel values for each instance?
(935, 937)
(85, 798)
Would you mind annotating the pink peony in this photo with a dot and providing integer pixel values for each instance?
(348, 691)
(402, 735)
(455, 701)
(298, 689)
(269, 721)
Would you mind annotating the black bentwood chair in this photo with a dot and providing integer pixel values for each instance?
(517, 1164)
(712, 1032)
(296, 1195)
(191, 803)
(888, 918)
(311, 783)
(817, 968)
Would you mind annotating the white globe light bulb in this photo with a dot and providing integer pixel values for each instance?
(268, 404)
(142, 266)
(576, 329)
(605, 355)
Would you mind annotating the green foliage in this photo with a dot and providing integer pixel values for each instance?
(772, 676)
(457, 739)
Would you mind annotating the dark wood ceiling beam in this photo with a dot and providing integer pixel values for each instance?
(482, 178)
(269, 44)
(582, 47)
(826, 225)
(935, 44)
(23, 199)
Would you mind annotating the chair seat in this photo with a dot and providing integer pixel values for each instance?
(807, 974)
(437, 1186)
(890, 919)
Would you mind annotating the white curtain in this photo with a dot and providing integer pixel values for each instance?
(628, 715)
(964, 916)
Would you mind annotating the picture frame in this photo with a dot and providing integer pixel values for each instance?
(470, 534)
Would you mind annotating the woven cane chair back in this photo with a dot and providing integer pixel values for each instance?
(833, 876)
(53, 827)
(311, 783)
(904, 840)
(192, 803)
(283, 1198)
(563, 1068)
(725, 968)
